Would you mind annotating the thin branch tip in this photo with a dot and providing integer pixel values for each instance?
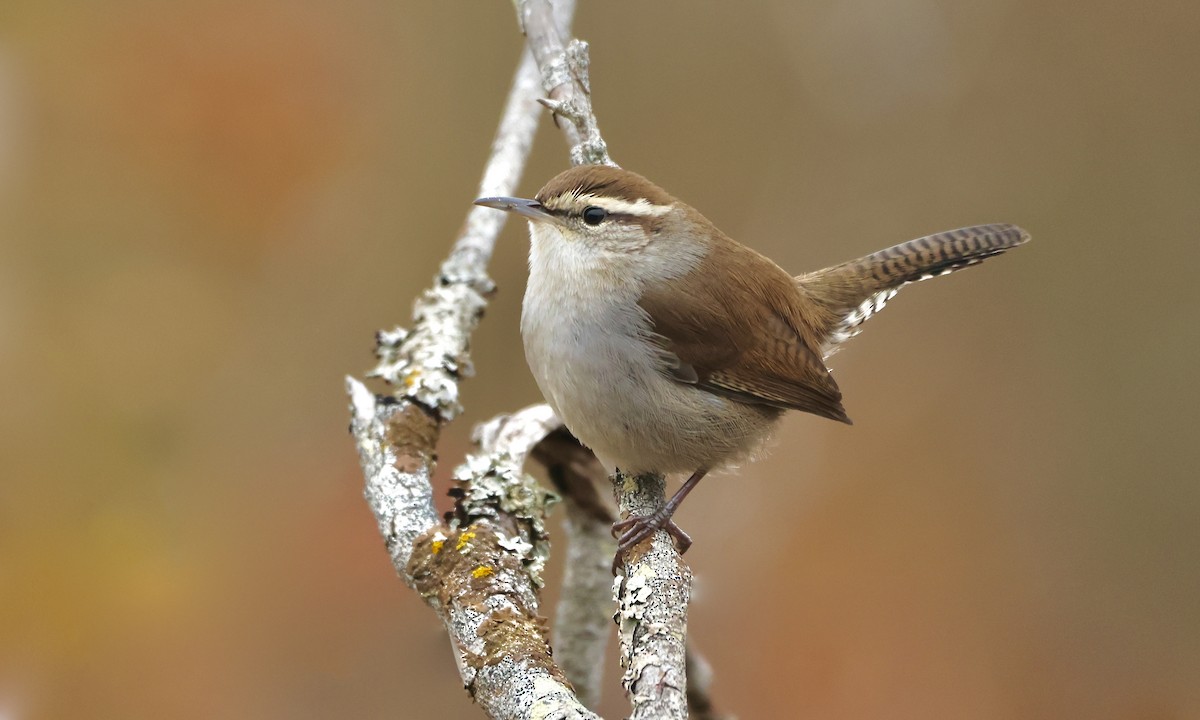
(362, 400)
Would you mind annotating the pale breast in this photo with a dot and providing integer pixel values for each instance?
(586, 344)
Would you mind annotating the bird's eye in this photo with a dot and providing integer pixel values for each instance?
(593, 215)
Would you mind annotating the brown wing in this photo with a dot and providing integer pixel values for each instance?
(734, 328)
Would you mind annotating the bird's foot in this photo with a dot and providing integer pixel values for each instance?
(636, 529)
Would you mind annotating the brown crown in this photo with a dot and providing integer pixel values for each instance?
(604, 181)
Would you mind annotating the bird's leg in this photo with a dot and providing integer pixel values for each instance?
(633, 530)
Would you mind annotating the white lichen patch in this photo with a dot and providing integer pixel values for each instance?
(362, 401)
(553, 701)
(426, 364)
(495, 485)
(631, 595)
(515, 545)
(401, 501)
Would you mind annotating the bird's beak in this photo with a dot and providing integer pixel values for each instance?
(531, 209)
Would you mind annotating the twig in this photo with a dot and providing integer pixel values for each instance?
(564, 69)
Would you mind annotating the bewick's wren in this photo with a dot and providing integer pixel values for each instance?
(667, 347)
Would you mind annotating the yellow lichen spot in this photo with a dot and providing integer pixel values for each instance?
(411, 378)
(465, 538)
(481, 571)
(437, 546)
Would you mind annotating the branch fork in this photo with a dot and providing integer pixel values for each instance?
(480, 568)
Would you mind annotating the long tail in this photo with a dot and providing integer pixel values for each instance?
(853, 291)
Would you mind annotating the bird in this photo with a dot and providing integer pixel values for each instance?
(665, 346)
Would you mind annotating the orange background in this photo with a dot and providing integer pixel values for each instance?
(207, 207)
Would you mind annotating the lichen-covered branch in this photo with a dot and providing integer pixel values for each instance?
(583, 620)
(481, 572)
(651, 615)
(493, 485)
(488, 603)
(397, 434)
(395, 448)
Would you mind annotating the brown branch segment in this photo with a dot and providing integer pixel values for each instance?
(395, 447)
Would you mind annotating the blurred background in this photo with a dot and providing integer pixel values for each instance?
(207, 208)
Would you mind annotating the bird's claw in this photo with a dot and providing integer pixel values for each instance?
(633, 530)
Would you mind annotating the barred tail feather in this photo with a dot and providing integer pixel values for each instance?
(853, 291)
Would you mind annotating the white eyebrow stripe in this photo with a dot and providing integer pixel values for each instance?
(641, 208)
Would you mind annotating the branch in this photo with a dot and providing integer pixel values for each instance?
(652, 615)
(654, 594)
(583, 619)
(481, 573)
(397, 436)
(481, 569)
(583, 616)
(395, 448)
